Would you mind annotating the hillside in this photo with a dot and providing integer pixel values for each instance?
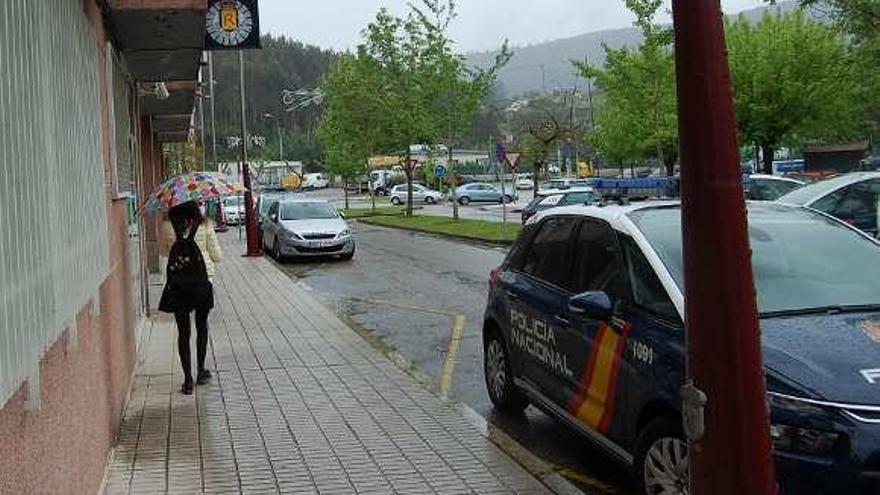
(524, 72)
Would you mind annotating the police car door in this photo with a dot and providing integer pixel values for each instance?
(596, 346)
(538, 300)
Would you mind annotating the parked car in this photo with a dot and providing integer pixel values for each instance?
(769, 187)
(564, 183)
(557, 198)
(480, 192)
(607, 281)
(302, 227)
(524, 182)
(421, 194)
(233, 210)
(315, 181)
(265, 200)
(849, 197)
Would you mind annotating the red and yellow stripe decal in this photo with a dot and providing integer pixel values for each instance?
(594, 404)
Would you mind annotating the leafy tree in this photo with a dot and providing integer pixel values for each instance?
(637, 118)
(410, 79)
(349, 127)
(860, 18)
(794, 83)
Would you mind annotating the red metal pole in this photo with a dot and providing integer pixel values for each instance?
(250, 219)
(732, 454)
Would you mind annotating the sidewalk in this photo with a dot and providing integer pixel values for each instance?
(299, 404)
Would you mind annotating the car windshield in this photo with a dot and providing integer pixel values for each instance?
(307, 211)
(815, 190)
(266, 201)
(801, 259)
(233, 201)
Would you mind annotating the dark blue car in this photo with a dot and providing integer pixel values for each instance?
(584, 321)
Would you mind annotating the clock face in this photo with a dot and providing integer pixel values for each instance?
(230, 22)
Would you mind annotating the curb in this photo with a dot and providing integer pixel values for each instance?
(491, 242)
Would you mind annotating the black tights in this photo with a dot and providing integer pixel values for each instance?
(184, 331)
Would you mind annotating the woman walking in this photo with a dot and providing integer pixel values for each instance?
(192, 249)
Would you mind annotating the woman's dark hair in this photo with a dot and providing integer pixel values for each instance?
(184, 216)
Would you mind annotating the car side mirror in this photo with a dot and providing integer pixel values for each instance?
(594, 305)
(342, 214)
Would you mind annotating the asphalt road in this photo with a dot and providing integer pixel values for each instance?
(415, 292)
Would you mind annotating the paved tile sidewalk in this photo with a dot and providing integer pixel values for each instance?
(299, 404)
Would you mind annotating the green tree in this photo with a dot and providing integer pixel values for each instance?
(349, 126)
(794, 83)
(638, 116)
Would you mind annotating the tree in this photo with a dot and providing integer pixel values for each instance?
(349, 126)
(638, 116)
(409, 79)
(794, 83)
(861, 18)
(543, 133)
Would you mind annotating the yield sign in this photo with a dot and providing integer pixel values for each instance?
(512, 159)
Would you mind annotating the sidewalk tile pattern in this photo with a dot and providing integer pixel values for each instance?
(299, 404)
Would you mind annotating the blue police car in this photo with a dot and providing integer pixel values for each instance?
(584, 320)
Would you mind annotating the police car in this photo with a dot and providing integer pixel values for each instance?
(584, 320)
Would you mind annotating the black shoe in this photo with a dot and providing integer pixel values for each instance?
(204, 377)
(187, 387)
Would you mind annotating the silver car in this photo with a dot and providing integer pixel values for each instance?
(420, 194)
(306, 228)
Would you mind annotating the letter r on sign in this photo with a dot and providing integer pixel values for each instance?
(871, 375)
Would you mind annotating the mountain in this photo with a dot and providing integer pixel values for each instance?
(548, 66)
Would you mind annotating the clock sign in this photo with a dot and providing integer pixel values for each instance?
(232, 25)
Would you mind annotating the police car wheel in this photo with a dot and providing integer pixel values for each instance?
(499, 380)
(661, 458)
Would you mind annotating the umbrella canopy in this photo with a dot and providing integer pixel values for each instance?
(194, 186)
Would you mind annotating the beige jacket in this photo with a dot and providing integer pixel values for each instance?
(205, 238)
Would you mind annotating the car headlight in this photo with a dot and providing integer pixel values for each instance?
(291, 235)
(802, 440)
(797, 439)
(344, 233)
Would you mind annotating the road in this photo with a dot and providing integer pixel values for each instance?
(414, 293)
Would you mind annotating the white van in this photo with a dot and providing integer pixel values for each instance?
(315, 181)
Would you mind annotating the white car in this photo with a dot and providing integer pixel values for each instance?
(852, 198)
(524, 182)
(420, 194)
(233, 210)
(314, 181)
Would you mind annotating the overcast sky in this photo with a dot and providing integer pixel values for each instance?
(482, 24)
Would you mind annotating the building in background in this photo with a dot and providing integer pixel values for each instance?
(91, 90)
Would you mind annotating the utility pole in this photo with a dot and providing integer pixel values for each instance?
(213, 128)
(724, 401)
(280, 136)
(592, 115)
(202, 116)
(253, 247)
(543, 79)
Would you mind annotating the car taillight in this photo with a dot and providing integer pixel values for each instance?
(494, 274)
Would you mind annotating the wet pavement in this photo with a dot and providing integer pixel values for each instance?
(418, 295)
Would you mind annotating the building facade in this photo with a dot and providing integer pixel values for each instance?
(89, 91)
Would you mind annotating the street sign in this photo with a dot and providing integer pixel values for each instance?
(512, 159)
(440, 171)
(232, 25)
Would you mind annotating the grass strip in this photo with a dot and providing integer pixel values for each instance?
(481, 230)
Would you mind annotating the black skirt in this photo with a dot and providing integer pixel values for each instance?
(186, 297)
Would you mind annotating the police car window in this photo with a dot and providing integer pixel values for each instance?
(597, 264)
(577, 198)
(647, 291)
(547, 258)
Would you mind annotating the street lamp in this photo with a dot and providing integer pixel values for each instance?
(280, 136)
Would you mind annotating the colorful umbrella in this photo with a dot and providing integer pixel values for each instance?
(195, 186)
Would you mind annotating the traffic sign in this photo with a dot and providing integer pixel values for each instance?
(512, 158)
(440, 171)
